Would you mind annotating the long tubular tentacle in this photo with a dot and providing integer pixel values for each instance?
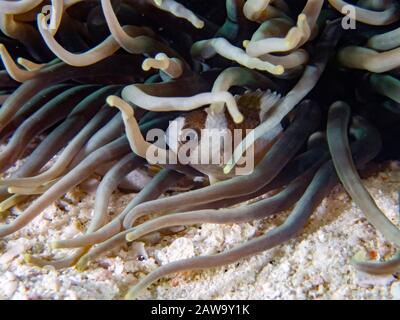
(272, 28)
(296, 36)
(209, 48)
(377, 267)
(386, 85)
(260, 10)
(235, 21)
(32, 165)
(321, 185)
(111, 131)
(41, 120)
(162, 181)
(310, 77)
(138, 97)
(58, 263)
(105, 49)
(13, 70)
(172, 67)
(339, 115)
(136, 140)
(114, 239)
(105, 154)
(51, 76)
(58, 130)
(3, 98)
(115, 226)
(374, 4)
(57, 9)
(78, 43)
(260, 210)
(133, 39)
(237, 76)
(178, 10)
(39, 100)
(269, 167)
(30, 190)
(60, 72)
(20, 96)
(155, 188)
(292, 60)
(385, 41)
(252, 8)
(66, 156)
(6, 80)
(295, 168)
(20, 6)
(304, 86)
(12, 201)
(133, 132)
(67, 130)
(33, 66)
(26, 34)
(193, 85)
(368, 59)
(107, 186)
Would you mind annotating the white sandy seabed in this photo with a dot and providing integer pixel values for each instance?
(316, 265)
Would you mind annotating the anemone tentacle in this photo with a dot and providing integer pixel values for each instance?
(260, 76)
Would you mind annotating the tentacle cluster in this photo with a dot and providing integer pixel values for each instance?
(304, 87)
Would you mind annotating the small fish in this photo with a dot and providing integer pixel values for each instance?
(207, 139)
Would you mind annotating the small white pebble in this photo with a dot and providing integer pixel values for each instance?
(395, 290)
(9, 285)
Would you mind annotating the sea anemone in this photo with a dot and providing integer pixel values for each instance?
(311, 85)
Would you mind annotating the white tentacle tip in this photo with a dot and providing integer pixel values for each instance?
(199, 24)
(279, 70)
(130, 237)
(228, 168)
(238, 118)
